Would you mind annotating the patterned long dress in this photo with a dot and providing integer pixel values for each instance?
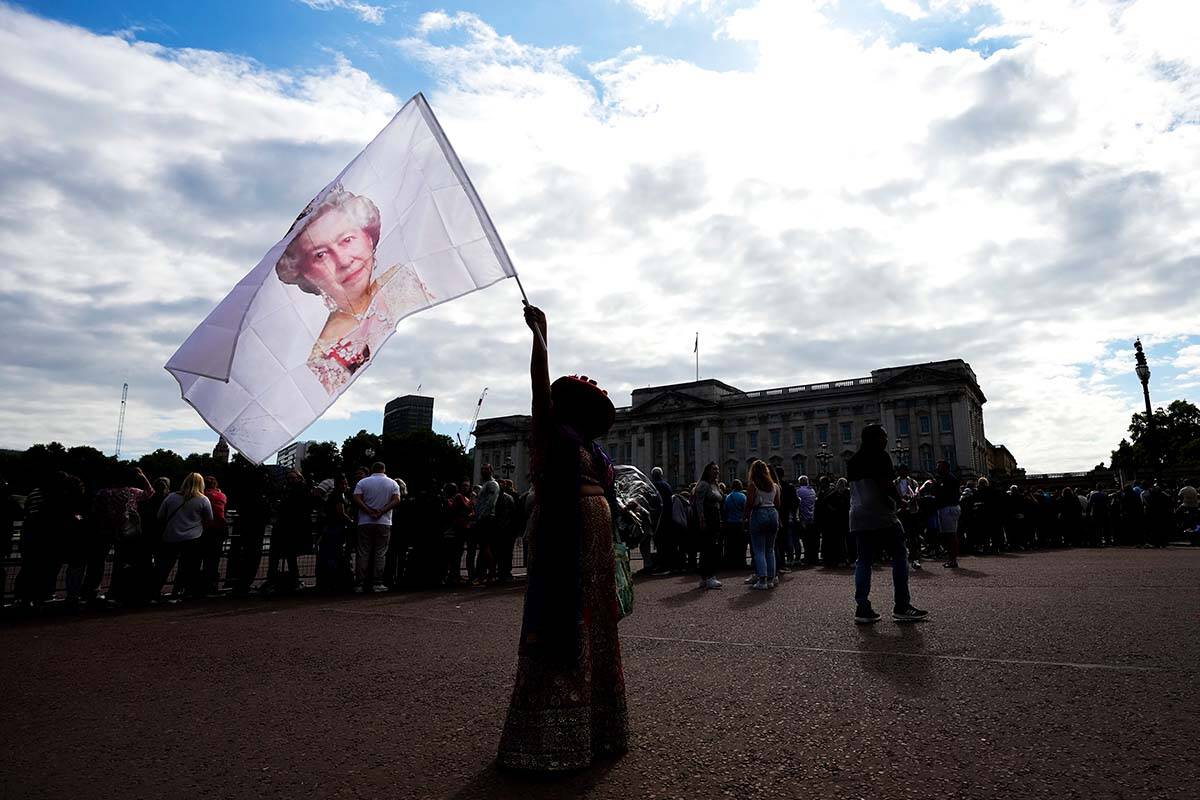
(563, 717)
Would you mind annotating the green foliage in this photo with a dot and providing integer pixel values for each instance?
(322, 460)
(425, 460)
(1171, 442)
(163, 464)
(354, 450)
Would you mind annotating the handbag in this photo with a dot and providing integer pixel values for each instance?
(624, 576)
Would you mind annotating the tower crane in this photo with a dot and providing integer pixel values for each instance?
(121, 420)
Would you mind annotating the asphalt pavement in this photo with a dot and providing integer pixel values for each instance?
(1056, 674)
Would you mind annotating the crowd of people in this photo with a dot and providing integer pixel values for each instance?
(139, 542)
(159, 540)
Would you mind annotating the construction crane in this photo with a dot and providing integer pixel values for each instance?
(474, 419)
(121, 421)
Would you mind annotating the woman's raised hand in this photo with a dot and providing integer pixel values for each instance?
(535, 318)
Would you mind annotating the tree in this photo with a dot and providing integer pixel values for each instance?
(1173, 441)
(163, 464)
(322, 460)
(354, 450)
(425, 460)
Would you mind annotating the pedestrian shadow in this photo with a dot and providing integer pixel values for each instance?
(897, 655)
(967, 573)
(691, 595)
(493, 782)
(749, 598)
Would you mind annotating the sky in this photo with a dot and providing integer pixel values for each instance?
(818, 188)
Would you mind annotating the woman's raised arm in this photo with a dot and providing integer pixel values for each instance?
(539, 368)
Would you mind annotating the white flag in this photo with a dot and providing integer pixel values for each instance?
(401, 229)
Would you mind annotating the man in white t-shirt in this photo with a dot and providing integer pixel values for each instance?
(375, 495)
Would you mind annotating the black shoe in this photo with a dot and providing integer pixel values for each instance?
(865, 615)
(909, 614)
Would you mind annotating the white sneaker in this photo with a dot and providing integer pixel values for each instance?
(774, 581)
(916, 564)
(761, 584)
(753, 579)
(703, 584)
(379, 587)
(712, 583)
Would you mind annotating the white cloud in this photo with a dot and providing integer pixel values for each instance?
(906, 8)
(666, 10)
(843, 205)
(365, 11)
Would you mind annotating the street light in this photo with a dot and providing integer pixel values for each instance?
(824, 456)
(1143, 373)
(508, 467)
(900, 452)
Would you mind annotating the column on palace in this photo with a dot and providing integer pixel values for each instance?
(964, 448)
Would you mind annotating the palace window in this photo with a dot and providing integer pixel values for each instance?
(731, 442)
(847, 432)
(776, 438)
(902, 426)
(797, 437)
(823, 434)
(944, 423)
(948, 456)
(753, 440)
(926, 458)
(923, 423)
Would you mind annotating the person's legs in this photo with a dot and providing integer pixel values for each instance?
(862, 567)
(771, 523)
(899, 568)
(948, 523)
(361, 555)
(379, 540)
(758, 547)
(189, 578)
(97, 555)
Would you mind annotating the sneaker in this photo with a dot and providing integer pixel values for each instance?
(753, 579)
(916, 564)
(712, 583)
(761, 584)
(379, 587)
(865, 615)
(951, 565)
(774, 582)
(908, 614)
(359, 589)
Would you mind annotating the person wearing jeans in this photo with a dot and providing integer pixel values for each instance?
(375, 496)
(873, 522)
(763, 522)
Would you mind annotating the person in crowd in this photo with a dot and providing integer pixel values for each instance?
(1159, 517)
(734, 515)
(1070, 517)
(664, 545)
(762, 525)
(51, 531)
(461, 512)
(680, 535)
(988, 514)
(510, 518)
(807, 535)
(375, 496)
(910, 514)
(183, 514)
(246, 548)
(396, 561)
(290, 535)
(568, 702)
(787, 546)
(481, 561)
(946, 495)
(10, 513)
(334, 573)
(709, 503)
(213, 539)
(1096, 512)
(116, 521)
(1187, 515)
(873, 521)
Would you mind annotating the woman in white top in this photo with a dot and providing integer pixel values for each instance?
(762, 498)
(183, 514)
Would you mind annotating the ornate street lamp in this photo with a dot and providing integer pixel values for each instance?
(1143, 373)
(508, 467)
(824, 456)
(900, 452)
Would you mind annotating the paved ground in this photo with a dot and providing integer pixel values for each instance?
(1063, 674)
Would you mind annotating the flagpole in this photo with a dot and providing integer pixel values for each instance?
(697, 356)
(525, 300)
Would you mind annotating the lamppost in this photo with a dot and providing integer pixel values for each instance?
(1143, 373)
(900, 452)
(508, 467)
(824, 456)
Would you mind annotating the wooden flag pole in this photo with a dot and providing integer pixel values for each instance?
(525, 300)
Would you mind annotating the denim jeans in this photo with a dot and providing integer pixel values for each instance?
(866, 542)
(764, 525)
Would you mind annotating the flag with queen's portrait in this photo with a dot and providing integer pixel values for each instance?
(401, 229)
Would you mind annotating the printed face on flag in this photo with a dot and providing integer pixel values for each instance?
(399, 230)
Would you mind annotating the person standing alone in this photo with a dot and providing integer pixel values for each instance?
(375, 495)
(873, 523)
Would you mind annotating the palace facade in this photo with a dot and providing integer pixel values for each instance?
(934, 410)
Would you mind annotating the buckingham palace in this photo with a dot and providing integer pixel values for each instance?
(933, 411)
